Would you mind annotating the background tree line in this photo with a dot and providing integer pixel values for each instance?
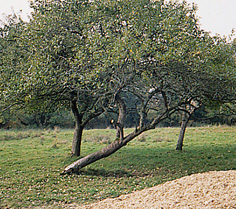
(64, 119)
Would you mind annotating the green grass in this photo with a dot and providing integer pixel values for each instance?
(31, 162)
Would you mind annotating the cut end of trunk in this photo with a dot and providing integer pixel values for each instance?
(69, 171)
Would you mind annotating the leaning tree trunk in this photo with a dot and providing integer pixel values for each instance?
(113, 147)
(185, 120)
(110, 149)
(103, 153)
(77, 138)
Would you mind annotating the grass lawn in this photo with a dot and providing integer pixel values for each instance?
(31, 162)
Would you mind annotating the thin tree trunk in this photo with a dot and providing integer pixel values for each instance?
(121, 118)
(189, 110)
(185, 120)
(143, 118)
(77, 138)
(80, 123)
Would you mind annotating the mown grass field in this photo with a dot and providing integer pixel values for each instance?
(31, 162)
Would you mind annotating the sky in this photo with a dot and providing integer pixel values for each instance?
(216, 16)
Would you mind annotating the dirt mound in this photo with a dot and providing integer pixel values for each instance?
(215, 189)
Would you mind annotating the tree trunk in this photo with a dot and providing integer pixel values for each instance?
(143, 118)
(121, 118)
(116, 145)
(77, 138)
(185, 120)
(103, 153)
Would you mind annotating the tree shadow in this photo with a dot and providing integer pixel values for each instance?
(105, 173)
(156, 161)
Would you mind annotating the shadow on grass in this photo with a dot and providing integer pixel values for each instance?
(158, 161)
(105, 173)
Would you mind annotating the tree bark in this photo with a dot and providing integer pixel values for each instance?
(77, 138)
(143, 118)
(121, 118)
(116, 145)
(189, 110)
(103, 153)
(185, 120)
(80, 123)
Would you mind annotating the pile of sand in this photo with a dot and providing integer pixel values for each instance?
(215, 189)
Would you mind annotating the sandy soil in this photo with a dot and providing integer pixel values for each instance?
(208, 190)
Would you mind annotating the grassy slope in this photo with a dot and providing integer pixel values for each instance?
(31, 162)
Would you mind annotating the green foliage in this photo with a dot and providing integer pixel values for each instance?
(87, 51)
(41, 119)
(47, 73)
(31, 161)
